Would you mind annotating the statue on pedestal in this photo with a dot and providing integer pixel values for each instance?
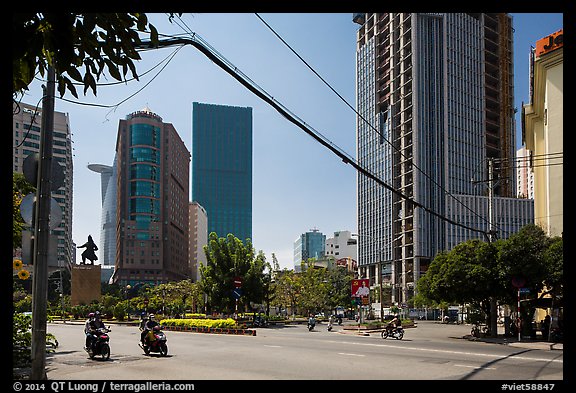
(89, 252)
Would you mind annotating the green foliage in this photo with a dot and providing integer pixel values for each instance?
(80, 47)
(22, 340)
(195, 322)
(227, 258)
(474, 271)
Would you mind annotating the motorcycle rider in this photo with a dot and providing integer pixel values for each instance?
(93, 325)
(148, 326)
(311, 321)
(330, 320)
(87, 330)
(394, 324)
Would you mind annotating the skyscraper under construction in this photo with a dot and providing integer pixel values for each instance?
(435, 98)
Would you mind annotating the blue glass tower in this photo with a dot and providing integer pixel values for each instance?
(222, 167)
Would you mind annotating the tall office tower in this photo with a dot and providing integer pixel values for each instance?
(108, 182)
(222, 167)
(311, 244)
(152, 201)
(198, 238)
(108, 188)
(27, 120)
(435, 95)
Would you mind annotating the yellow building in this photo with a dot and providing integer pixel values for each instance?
(543, 130)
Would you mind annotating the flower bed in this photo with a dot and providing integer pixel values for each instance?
(222, 326)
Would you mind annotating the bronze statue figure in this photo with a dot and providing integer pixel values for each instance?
(89, 252)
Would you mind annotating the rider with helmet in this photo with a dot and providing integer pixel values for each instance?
(91, 328)
(147, 326)
(87, 332)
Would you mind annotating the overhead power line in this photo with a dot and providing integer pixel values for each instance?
(212, 54)
(367, 122)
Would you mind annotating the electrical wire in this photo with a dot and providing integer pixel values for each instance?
(365, 120)
(205, 48)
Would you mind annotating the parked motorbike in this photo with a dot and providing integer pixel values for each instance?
(155, 341)
(396, 332)
(100, 344)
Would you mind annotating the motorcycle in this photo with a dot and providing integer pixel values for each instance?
(397, 332)
(260, 322)
(100, 344)
(155, 341)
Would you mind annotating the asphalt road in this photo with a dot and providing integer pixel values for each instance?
(431, 351)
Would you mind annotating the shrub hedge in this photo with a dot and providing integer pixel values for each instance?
(203, 323)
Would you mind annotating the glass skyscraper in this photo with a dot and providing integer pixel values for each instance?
(435, 98)
(222, 167)
(311, 244)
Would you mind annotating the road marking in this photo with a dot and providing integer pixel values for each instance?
(509, 356)
(476, 367)
(273, 346)
(350, 354)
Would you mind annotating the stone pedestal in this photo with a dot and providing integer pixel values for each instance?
(86, 284)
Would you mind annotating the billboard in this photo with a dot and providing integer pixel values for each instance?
(361, 288)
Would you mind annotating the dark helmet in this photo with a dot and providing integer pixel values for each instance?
(156, 328)
(97, 314)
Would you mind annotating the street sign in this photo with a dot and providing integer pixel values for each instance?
(237, 282)
(524, 290)
(237, 292)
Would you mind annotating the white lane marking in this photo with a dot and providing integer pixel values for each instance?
(476, 367)
(273, 346)
(350, 354)
(510, 356)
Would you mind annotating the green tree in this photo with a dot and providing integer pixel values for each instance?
(314, 289)
(227, 258)
(80, 47)
(339, 288)
(465, 274)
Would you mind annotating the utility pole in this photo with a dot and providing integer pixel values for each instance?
(491, 239)
(42, 232)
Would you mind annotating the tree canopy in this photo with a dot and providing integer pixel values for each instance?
(80, 46)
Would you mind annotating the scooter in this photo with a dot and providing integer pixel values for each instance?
(100, 344)
(397, 332)
(155, 341)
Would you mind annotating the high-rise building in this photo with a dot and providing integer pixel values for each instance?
(109, 188)
(26, 123)
(543, 131)
(153, 166)
(435, 98)
(524, 174)
(311, 244)
(198, 238)
(222, 167)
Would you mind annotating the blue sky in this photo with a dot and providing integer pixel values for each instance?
(297, 184)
